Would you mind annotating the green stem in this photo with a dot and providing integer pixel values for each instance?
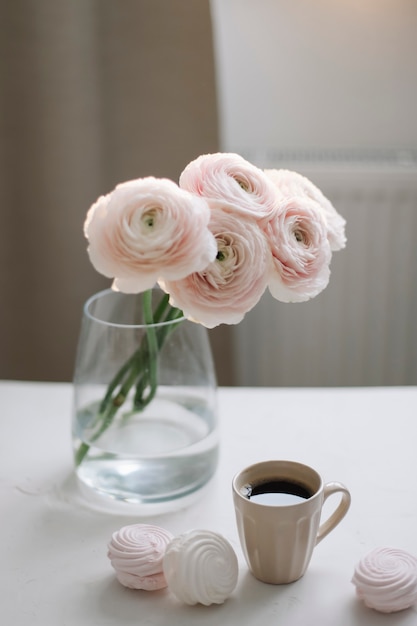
(116, 382)
(161, 308)
(152, 346)
(141, 369)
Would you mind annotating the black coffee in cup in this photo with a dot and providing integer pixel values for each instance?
(277, 492)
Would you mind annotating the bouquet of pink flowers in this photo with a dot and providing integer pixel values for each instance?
(217, 240)
(214, 243)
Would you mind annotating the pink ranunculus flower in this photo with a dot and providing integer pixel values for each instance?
(301, 250)
(146, 229)
(291, 184)
(230, 178)
(235, 281)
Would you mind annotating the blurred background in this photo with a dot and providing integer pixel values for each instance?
(94, 92)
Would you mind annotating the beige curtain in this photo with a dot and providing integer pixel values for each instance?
(93, 92)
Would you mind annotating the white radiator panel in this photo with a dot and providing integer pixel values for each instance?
(362, 330)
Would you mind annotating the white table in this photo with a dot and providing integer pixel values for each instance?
(54, 567)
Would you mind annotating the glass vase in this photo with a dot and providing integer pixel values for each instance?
(144, 426)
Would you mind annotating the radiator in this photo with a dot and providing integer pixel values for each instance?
(362, 330)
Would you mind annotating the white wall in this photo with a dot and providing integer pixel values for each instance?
(316, 74)
(329, 88)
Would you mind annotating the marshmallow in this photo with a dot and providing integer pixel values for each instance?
(136, 553)
(200, 566)
(386, 580)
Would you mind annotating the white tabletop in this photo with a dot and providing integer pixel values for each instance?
(54, 568)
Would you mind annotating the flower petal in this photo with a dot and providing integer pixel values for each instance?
(147, 229)
(300, 249)
(291, 184)
(229, 178)
(234, 282)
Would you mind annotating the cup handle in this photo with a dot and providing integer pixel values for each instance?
(339, 513)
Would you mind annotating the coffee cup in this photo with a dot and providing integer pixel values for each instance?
(278, 506)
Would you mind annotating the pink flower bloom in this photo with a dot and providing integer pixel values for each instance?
(291, 184)
(300, 249)
(235, 281)
(231, 179)
(147, 229)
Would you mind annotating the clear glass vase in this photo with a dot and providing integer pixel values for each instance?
(145, 425)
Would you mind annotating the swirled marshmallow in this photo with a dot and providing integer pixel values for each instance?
(136, 553)
(200, 566)
(386, 580)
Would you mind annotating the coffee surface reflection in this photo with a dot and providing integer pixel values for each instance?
(277, 493)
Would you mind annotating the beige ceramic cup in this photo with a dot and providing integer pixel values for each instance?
(278, 539)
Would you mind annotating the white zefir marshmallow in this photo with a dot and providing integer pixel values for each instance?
(386, 580)
(200, 566)
(136, 553)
